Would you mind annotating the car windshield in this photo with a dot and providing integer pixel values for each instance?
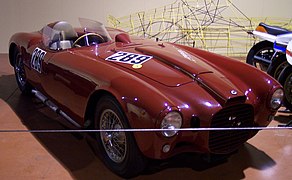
(61, 35)
(91, 26)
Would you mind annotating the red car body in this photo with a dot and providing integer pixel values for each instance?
(206, 89)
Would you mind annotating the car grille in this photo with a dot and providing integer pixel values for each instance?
(235, 116)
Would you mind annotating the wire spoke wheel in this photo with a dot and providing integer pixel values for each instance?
(118, 150)
(114, 143)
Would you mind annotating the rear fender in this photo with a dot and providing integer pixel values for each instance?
(22, 41)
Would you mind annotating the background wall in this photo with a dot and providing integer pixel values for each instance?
(31, 15)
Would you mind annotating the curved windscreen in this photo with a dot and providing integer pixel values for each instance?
(91, 26)
(61, 35)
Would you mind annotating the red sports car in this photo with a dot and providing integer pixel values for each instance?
(101, 78)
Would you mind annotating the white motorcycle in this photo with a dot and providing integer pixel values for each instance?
(279, 62)
(262, 53)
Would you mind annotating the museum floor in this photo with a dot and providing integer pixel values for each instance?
(67, 156)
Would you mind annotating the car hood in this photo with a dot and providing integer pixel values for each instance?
(174, 67)
(169, 65)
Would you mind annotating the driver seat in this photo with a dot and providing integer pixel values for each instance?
(63, 35)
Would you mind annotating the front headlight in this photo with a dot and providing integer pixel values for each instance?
(276, 99)
(172, 120)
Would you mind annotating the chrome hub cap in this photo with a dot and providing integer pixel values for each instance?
(114, 143)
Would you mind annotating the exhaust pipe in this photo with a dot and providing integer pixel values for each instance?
(54, 107)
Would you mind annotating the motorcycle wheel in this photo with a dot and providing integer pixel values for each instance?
(260, 55)
(285, 80)
(277, 66)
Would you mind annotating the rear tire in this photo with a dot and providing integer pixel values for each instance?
(118, 150)
(20, 74)
(285, 79)
(277, 66)
(263, 49)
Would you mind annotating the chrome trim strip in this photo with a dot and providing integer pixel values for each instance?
(54, 107)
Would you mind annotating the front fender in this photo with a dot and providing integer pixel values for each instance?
(257, 85)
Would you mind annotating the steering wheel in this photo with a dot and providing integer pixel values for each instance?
(84, 35)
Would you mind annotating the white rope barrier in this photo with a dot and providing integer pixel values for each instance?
(143, 130)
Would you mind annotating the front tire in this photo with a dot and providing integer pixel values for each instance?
(264, 50)
(118, 150)
(20, 74)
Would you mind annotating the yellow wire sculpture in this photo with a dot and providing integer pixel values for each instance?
(214, 25)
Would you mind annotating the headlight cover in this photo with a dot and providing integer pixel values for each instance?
(276, 99)
(172, 120)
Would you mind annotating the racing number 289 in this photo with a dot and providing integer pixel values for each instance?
(129, 58)
(37, 58)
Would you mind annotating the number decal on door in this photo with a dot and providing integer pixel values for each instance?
(37, 59)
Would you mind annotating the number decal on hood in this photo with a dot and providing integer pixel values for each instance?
(128, 58)
(37, 58)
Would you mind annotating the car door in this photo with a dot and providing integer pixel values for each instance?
(65, 82)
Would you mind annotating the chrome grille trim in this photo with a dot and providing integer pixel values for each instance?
(222, 142)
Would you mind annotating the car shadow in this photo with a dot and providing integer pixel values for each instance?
(232, 167)
(72, 150)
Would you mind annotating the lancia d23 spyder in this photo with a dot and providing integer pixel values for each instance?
(101, 78)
